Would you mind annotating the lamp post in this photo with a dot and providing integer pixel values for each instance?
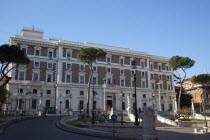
(70, 109)
(60, 105)
(122, 109)
(159, 97)
(40, 110)
(104, 79)
(93, 114)
(134, 78)
(22, 109)
(153, 101)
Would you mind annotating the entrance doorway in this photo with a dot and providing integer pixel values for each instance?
(109, 104)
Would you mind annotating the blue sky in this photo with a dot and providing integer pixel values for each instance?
(158, 27)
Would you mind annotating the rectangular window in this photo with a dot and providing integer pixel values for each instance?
(20, 103)
(33, 104)
(82, 67)
(144, 104)
(132, 83)
(160, 77)
(122, 82)
(47, 103)
(162, 97)
(161, 86)
(143, 84)
(168, 77)
(108, 59)
(94, 69)
(132, 62)
(37, 52)
(68, 78)
(108, 70)
(36, 64)
(122, 71)
(48, 91)
(81, 79)
(153, 85)
(162, 107)
(35, 91)
(49, 65)
(167, 68)
(68, 66)
(94, 104)
(151, 66)
(109, 81)
(142, 64)
(142, 74)
(20, 90)
(36, 76)
(67, 91)
(159, 67)
(67, 104)
(94, 80)
(144, 95)
(50, 54)
(133, 95)
(170, 107)
(21, 75)
(132, 73)
(81, 104)
(123, 105)
(81, 93)
(24, 50)
(121, 61)
(169, 87)
(152, 76)
(49, 77)
(68, 54)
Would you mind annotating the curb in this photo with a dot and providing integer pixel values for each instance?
(4, 126)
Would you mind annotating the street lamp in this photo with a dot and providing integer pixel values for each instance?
(93, 114)
(70, 109)
(60, 105)
(122, 108)
(40, 110)
(104, 79)
(153, 101)
(159, 96)
(134, 77)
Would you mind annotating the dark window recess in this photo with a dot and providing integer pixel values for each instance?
(34, 90)
(67, 104)
(19, 104)
(123, 105)
(67, 91)
(48, 91)
(162, 107)
(94, 104)
(170, 107)
(20, 90)
(81, 105)
(144, 104)
(144, 95)
(81, 92)
(47, 104)
(33, 105)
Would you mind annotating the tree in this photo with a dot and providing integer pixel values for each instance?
(4, 93)
(185, 98)
(180, 63)
(8, 55)
(89, 55)
(204, 80)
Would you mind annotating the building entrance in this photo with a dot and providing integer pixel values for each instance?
(109, 104)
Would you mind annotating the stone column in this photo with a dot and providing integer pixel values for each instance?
(149, 124)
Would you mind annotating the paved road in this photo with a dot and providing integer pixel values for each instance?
(41, 129)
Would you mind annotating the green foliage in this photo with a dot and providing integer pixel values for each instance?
(203, 79)
(177, 62)
(13, 54)
(88, 55)
(4, 93)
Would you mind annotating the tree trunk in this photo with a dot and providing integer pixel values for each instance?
(89, 82)
(179, 98)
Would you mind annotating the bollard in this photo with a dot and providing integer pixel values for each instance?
(195, 130)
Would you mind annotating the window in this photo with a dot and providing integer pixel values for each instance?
(94, 69)
(67, 104)
(122, 82)
(160, 77)
(169, 87)
(123, 94)
(20, 103)
(24, 50)
(49, 65)
(33, 105)
(36, 77)
(162, 97)
(121, 61)
(49, 77)
(35, 91)
(122, 71)
(94, 80)
(162, 107)
(50, 54)
(132, 83)
(152, 76)
(82, 67)
(170, 107)
(68, 54)
(68, 78)
(142, 74)
(153, 85)
(142, 64)
(67, 91)
(108, 70)
(48, 91)
(36, 64)
(20, 90)
(123, 105)
(37, 52)
(109, 81)
(108, 59)
(47, 103)
(21, 75)
(132, 62)
(94, 104)
(167, 68)
(144, 95)
(81, 104)
(159, 67)
(132, 73)
(68, 66)
(134, 95)
(161, 86)
(168, 77)
(81, 79)
(151, 66)
(144, 104)
(143, 84)
(81, 93)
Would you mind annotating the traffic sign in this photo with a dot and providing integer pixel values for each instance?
(114, 117)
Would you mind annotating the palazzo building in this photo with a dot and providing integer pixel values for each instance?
(56, 78)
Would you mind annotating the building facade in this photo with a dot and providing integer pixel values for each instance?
(55, 78)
